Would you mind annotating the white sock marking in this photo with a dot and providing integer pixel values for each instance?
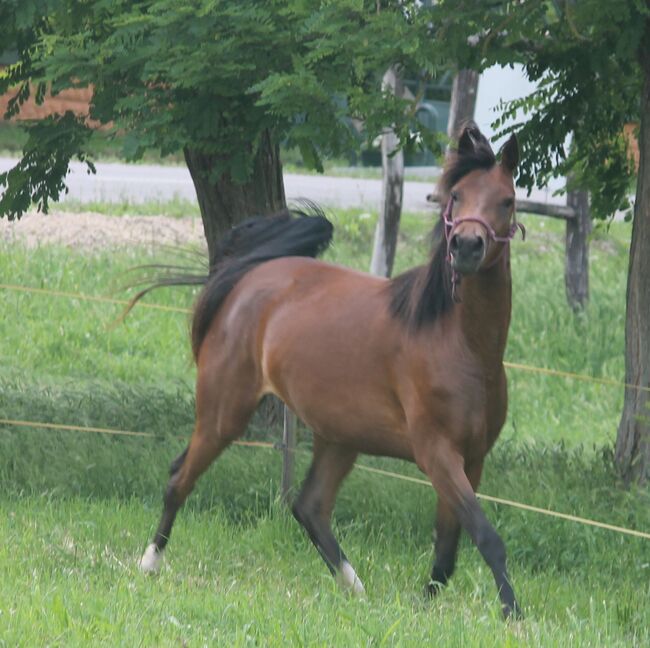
(151, 559)
(349, 580)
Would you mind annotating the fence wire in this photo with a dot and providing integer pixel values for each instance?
(378, 471)
(517, 366)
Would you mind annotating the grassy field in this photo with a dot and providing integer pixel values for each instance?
(77, 509)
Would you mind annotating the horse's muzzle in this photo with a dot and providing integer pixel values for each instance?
(466, 253)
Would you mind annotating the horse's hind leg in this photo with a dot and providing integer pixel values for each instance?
(314, 505)
(219, 422)
(185, 470)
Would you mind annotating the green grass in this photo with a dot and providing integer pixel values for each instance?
(77, 509)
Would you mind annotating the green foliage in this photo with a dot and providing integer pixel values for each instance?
(214, 75)
(40, 175)
(585, 58)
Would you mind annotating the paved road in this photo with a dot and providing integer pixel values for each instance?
(115, 182)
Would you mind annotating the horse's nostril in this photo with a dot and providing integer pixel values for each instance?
(476, 245)
(466, 246)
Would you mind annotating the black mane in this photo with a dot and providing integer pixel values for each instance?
(423, 294)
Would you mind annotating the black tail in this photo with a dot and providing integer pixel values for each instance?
(303, 232)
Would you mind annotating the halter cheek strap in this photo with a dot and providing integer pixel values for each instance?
(452, 225)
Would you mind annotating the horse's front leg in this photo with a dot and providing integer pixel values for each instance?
(447, 535)
(444, 466)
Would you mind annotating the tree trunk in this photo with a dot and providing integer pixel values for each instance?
(224, 202)
(392, 162)
(576, 264)
(633, 442)
(463, 101)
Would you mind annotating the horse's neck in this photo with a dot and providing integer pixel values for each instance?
(484, 311)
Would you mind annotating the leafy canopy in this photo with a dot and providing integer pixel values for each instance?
(210, 75)
(585, 59)
(215, 74)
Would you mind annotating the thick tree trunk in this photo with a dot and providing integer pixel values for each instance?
(463, 101)
(633, 442)
(224, 202)
(392, 162)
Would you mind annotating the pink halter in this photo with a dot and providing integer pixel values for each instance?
(452, 225)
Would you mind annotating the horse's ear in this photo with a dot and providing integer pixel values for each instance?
(510, 154)
(470, 136)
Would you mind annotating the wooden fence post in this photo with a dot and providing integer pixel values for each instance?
(288, 454)
(576, 267)
(392, 162)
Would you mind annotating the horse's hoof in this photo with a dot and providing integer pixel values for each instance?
(512, 613)
(151, 560)
(349, 580)
(433, 588)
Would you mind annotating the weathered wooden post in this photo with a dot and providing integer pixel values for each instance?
(288, 454)
(576, 265)
(392, 162)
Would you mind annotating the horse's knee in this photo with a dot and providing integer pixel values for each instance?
(170, 496)
(176, 492)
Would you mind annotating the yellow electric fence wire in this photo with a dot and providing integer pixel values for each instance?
(510, 365)
(111, 431)
(74, 428)
(575, 376)
(94, 298)
(378, 471)
(519, 505)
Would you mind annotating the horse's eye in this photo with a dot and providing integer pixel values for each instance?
(508, 203)
(454, 196)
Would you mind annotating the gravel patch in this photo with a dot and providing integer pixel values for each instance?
(92, 231)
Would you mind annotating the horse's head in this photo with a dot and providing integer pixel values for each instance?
(480, 210)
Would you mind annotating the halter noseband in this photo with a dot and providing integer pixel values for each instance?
(451, 226)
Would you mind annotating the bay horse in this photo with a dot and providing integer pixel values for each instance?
(410, 367)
